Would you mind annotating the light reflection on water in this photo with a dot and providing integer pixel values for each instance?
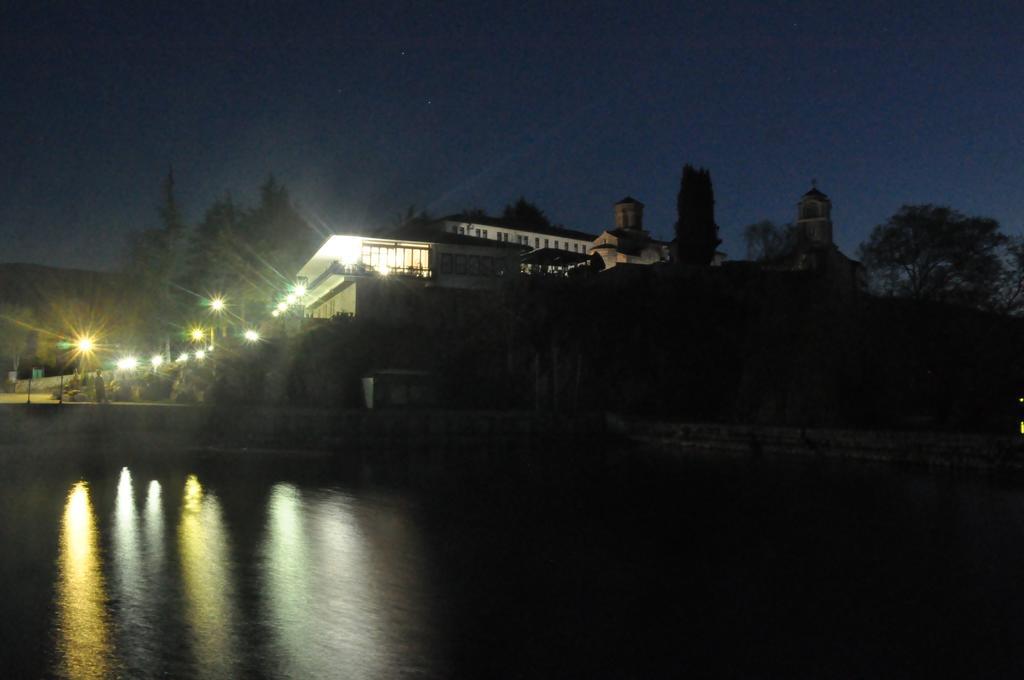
(322, 601)
(209, 588)
(322, 592)
(84, 639)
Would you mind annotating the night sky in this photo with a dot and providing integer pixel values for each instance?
(365, 108)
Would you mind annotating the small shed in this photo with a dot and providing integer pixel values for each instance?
(398, 388)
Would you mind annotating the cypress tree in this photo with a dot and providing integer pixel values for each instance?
(696, 231)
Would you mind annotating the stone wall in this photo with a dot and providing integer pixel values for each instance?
(924, 448)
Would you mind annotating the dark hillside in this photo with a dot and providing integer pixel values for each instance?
(728, 344)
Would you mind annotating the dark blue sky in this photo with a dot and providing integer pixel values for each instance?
(365, 108)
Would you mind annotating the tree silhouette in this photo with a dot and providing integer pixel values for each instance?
(928, 252)
(471, 214)
(696, 231)
(525, 214)
(767, 241)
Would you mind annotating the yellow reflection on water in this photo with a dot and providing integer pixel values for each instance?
(84, 638)
(289, 595)
(207, 579)
(154, 528)
(125, 544)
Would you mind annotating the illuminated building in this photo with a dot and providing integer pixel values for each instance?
(350, 267)
(529, 238)
(628, 242)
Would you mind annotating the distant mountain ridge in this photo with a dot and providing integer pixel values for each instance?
(41, 287)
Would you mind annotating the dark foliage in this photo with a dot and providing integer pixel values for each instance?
(751, 346)
(768, 242)
(696, 231)
(934, 253)
(525, 214)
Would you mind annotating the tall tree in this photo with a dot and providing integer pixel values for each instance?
(526, 214)
(210, 248)
(411, 217)
(157, 263)
(276, 231)
(696, 231)
(929, 252)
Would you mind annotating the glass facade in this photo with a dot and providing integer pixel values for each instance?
(405, 259)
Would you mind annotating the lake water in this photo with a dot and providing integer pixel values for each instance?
(181, 567)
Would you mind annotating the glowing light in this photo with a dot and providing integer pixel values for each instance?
(85, 344)
(291, 299)
(84, 642)
(281, 306)
(200, 354)
(128, 363)
(300, 290)
(275, 313)
(345, 249)
(384, 270)
(252, 336)
(156, 360)
(207, 580)
(182, 358)
(197, 334)
(217, 304)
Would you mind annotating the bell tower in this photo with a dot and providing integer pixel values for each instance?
(814, 216)
(629, 214)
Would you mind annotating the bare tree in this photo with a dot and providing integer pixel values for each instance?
(928, 252)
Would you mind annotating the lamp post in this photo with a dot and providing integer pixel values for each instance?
(218, 305)
(82, 346)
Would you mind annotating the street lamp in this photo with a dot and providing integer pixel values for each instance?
(127, 363)
(82, 346)
(199, 335)
(252, 336)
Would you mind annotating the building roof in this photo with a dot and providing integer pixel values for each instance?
(815, 193)
(629, 199)
(428, 233)
(554, 257)
(543, 231)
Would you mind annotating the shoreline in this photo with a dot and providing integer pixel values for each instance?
(482, 435)
(920, 448)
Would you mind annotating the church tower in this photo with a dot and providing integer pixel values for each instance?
(815, 216)
(629, 214)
